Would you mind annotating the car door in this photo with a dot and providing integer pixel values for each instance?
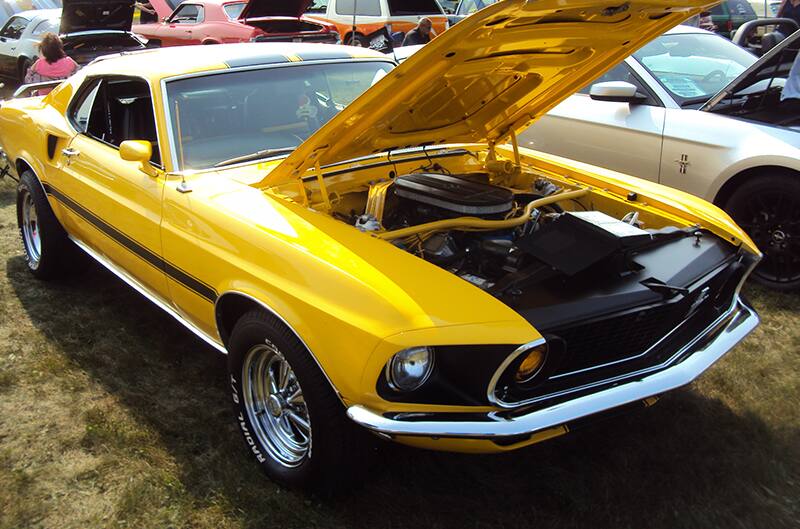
(114, 207)
(9, 41)
(181, 27)
(625, 137)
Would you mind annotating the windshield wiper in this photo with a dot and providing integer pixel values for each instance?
(256, 156)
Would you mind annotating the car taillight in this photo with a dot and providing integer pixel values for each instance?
(730, 25)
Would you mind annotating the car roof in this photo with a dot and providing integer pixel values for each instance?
(161, 63)
(31, 14)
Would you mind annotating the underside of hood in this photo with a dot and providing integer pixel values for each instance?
(274, 8)
(86, 15)
(489, 76)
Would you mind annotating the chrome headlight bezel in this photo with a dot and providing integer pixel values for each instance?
(405, 357)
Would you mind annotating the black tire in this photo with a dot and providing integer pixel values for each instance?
(48, 251)
(24, 64)
(768, 208)
(336, 446)
(357, 40)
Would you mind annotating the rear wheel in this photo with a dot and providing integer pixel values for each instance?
(768, 209)
(292, 421)
(357, 39)
(48, 251)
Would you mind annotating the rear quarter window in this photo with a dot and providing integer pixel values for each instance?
(370, 8)
(414, 7)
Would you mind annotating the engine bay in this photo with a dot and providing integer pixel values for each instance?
(541, 250)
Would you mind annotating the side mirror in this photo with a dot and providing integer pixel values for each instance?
(616, 92)
(138, 151)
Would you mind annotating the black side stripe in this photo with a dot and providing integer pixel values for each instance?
(198, 287)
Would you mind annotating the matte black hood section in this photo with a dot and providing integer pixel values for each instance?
(87, 15)
(274, 8)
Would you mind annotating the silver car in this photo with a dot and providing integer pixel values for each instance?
(19, 40)
(693, 111)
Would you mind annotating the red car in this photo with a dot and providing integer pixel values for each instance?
(221, 21)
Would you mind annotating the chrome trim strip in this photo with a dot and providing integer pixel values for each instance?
(288, 325)
(141, 289)
(507, 362)
(496, 425)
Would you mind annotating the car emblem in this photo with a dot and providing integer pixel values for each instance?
(683, 163)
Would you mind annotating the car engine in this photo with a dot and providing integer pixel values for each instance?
(551, 260)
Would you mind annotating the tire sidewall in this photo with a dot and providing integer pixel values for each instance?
(734, 207)
(246, 336)
(29, 185)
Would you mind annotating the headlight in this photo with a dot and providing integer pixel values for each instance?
(410, 368)
(531, 364)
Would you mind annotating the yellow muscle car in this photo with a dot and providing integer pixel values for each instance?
(370, 246)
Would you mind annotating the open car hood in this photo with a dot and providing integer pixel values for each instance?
(86, 15)
(490, 75)
(274, 8)
(776, 63)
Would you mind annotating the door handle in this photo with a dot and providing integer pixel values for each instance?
(69, 153)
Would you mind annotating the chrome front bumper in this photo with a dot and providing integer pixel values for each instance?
(697, 356)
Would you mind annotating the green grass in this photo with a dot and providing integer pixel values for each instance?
(111, 415)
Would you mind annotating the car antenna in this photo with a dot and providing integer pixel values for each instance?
(353, 31)
(183, 187)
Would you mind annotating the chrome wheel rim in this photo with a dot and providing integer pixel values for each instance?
(30, 231)
(275, 405)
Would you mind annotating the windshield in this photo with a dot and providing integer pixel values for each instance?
(695, 66)
(224, 118)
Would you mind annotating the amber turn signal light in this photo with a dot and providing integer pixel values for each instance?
(531, 364)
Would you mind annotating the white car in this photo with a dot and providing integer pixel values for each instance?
(19, 40)
(693, 111)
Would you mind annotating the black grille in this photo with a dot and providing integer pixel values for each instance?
(610, 340)
(583, 359)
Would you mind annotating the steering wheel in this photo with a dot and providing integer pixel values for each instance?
(716, 75)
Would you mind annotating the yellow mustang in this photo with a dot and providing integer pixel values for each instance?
(370, 246)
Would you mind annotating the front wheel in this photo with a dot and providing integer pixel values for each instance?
(291, 419)
(768, 208)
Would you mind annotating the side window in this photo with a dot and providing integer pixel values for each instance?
(371, 8)
(233, 11)
(414, 7)
(318, 6)
(115, 110)
(82, 107)
(44, 26)
(14, 28)
(187, 14)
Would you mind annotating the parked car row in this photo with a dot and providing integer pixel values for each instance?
(226, 21)
(88, 30)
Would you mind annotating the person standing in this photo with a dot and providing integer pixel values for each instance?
(147, 13)
(52, 64)
(422, 33)
(790, 9)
